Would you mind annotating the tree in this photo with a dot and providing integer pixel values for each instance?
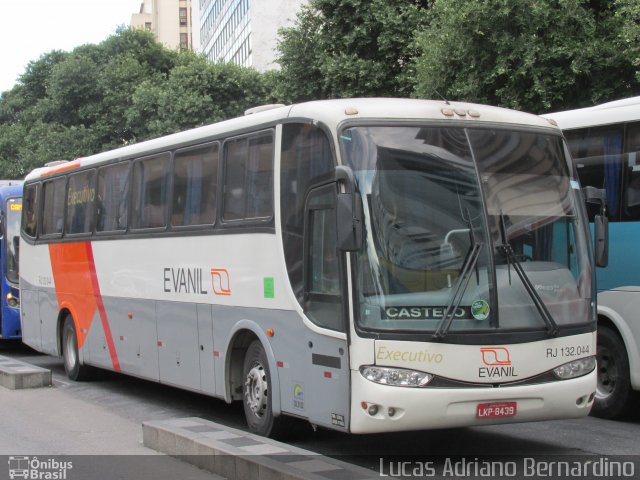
(195, 93)
(123, 90)
(34, 79)
(540, 56)
(346, 48)
(628, 12)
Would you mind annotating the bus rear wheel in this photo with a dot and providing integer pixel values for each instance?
(72, 366)
(613, 391)
(257, 394)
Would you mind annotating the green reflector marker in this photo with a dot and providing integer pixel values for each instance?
(268, 287)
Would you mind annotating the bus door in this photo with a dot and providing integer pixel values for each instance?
(327, 383)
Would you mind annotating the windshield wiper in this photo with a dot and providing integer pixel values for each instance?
(461, 287)
(507, 252)
(466, 271)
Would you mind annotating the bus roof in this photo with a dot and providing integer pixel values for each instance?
(9, 183)
(329, 112)
(10, 188)
(604, 114)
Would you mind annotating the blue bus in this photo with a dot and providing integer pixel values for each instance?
(10, 214)
(604, 142)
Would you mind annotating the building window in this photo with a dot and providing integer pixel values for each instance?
(184, 41)
(147, 26)
(183, 16)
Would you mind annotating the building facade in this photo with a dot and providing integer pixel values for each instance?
(170, 21)
(244, 32)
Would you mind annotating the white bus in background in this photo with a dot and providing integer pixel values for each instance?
(367, 265)
(605, 145)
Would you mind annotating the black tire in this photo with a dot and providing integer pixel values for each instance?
(256, 394)
(75, 370)
(613, 393)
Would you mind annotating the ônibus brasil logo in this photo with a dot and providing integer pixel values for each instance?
(37, 469)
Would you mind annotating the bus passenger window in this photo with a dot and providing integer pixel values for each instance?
(150, 192)
(248, 182)
(80, 196)
(194, 186)
(112, 192)
(53, 208)
(30, 210)
(597, 153)
(632, 173)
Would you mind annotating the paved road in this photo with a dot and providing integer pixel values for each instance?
(126, 402)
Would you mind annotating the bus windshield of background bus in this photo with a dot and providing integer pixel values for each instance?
(434, 196)
(12, 237)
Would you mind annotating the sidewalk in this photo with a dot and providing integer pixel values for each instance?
(48, 423)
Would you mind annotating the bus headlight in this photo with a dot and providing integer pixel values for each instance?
(397, 377)
(12, 301)
(574, 369)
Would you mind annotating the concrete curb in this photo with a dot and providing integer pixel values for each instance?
(238, 455)
(16, 375)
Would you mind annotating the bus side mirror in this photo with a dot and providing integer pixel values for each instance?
(349, 222)
(348, 212)
(601, 240)
(600, 224)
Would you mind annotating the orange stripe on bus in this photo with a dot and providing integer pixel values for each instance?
(77, 289)
(61, 168)
(103, 313)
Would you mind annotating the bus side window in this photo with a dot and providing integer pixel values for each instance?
(112, 194)
(53, 206)
(30, 210)
(80, 196)
(597, 153)
(248, 178)
(632, 173)
(150, 192)
(194, 186)
(306, 157)
(323, 299)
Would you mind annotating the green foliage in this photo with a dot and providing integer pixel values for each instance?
(628, 13)
(347, 48)
(538, 56)
(195, 93)
(126, 89)
(541, 55)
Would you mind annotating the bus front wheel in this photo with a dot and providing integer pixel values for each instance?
(75, 370)
(613, 392)
(257, 394)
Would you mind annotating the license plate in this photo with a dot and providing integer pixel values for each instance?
(497, 409)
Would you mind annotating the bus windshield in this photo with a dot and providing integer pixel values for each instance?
(12, 238)
(468, 229)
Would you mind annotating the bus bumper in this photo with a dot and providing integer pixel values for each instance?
(425, 408)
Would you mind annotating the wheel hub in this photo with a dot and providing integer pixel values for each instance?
(70, 352)
(607, 373)
(256, 390)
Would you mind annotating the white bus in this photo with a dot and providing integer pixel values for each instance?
(367, 265)
(605, 145)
